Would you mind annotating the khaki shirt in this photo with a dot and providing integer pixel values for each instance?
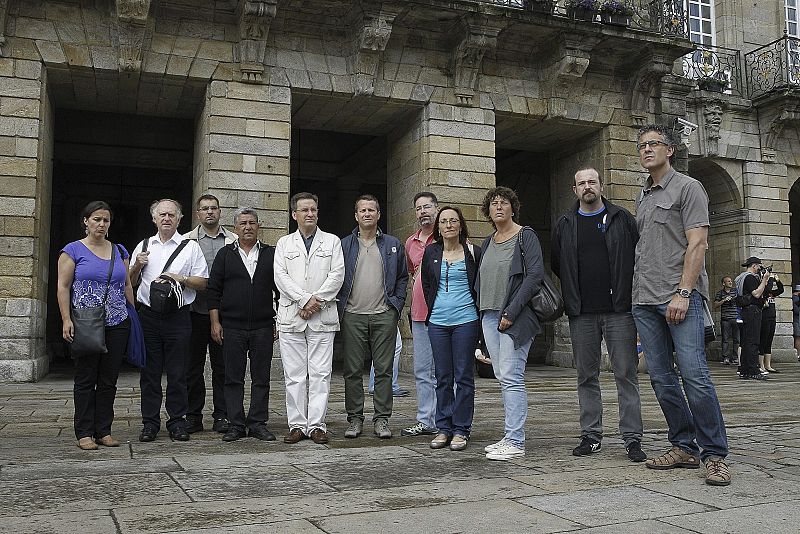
(663, 214)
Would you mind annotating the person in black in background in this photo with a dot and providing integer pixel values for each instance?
(753, 283)
(726, 299)
(768, 317)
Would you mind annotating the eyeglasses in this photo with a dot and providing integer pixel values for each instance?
(424, 207)
(652, 144)
(208, 208)
(452, 222)
(306, 210)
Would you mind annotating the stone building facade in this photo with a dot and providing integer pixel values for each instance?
(252, 100)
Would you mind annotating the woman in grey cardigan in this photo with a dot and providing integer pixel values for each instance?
(510, 273)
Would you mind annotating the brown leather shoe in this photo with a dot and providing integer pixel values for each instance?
(319, 436)
(108, 441)
(294, 436)
(87, 444)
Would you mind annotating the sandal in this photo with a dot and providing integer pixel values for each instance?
(676, 457)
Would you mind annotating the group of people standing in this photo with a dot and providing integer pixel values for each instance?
(619, 274)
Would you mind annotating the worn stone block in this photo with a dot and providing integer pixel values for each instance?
(14, 166)
(19, 226)
(16, 246)
(35, 29)
(227, 125)
(248, 145)
(19, 88)
(216, 50)
(19, 266)
(23, 370)
(77, 55)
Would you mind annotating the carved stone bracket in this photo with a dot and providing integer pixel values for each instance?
(3, 12)
(255, 19)
(132, 25)
(643, 81)
(712, 116)
(787, 117)
(569, 59)
(371, 29)
(477, 35)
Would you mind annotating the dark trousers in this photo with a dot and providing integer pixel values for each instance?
(167, 340)
(767, 334)
(195, 368)
(454, 361)
(364, 335)
(235, 349)
(730, 339)
(751, 333)
(96, 384)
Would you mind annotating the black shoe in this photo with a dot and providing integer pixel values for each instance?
(635, 453)
(179, 433)
(194, 425)
(221, 425)
(759, 376)
(588, 446)
(149, 433)
(261, 432)
(234, 433)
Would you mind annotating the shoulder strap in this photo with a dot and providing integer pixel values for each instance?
(175, 254)
(110, 272)
(471, 250)
(145, 242)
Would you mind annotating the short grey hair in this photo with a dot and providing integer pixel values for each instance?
(244, 211)
(178, 208)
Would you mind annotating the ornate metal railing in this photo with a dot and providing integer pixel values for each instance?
(666, 17)
(715, 68)
(773, 67)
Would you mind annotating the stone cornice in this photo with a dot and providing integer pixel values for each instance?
(132, 18)
(477, 34)
(254, 19)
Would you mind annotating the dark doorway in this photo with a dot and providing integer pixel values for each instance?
(338, 167)
(126, 160)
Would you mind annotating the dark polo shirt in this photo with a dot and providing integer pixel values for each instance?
(663, 214)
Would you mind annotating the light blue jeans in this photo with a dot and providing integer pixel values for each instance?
(398, 348)
(424, 375)
(696, 426)
(508, 364)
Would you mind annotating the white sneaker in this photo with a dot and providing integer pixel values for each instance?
(506, 451)
(493, 446)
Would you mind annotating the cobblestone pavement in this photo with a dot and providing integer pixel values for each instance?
(399, 485)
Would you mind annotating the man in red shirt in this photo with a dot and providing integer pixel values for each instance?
(425, 207)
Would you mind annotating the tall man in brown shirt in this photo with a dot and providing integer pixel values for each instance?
(670, 286)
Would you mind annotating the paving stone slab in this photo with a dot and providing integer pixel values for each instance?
(611, 505)
(776, 518)
(487, 516)
(25, 453)
(83, 468)
(743, 490)
(599, 477)
(651, 526)
(83, 522)
(284, 527)
(88, 493)
(292, 507)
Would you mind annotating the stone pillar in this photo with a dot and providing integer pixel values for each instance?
(766, 193)
(242, 152)
(26, 152)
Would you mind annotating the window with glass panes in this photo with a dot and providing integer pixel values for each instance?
(792, 30)
(701, 31)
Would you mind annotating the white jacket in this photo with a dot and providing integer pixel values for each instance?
(300, 274)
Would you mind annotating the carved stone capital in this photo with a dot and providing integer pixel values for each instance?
(476, 35)
(3, 12)
(643, 81)
(712, 117)
(254, 18)
(371, 28)
(132, 26)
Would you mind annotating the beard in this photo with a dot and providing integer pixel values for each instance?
(589, 197)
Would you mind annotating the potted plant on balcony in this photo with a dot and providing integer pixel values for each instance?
(715, 84)
(539, 6)
(616, 12)
(581, 9)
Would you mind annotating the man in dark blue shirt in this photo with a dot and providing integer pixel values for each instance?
(726, 299)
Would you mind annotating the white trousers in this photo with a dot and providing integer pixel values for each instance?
(307, 359)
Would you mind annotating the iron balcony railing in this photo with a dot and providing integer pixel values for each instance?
(773, 67)
(715, 68)
(666, 17)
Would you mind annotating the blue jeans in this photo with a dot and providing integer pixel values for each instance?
(453, 357)
(424, 374)
(398, 348)
(697, 427)
(508, 364)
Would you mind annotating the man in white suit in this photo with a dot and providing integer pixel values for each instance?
(309, 271)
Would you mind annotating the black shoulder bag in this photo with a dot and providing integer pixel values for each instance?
(89, 324)
(547, 303)
(167, 297)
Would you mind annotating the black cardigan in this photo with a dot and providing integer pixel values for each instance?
(243, 304)
(431, 272)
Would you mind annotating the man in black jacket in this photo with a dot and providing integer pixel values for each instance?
(593, 255)
(241, 294)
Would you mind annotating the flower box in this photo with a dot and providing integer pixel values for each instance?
(615, 19)
(539, 6)
(581, 13)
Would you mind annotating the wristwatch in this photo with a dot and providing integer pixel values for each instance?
(685, 293)
(185, 279)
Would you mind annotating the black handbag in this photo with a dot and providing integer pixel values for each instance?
(167, 296)
(547, 303)
(89, 324)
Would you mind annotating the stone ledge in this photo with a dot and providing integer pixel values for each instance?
(24, 370)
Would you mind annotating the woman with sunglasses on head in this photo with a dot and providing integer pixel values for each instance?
(87, 277)
(449, 269)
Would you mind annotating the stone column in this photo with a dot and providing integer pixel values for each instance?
(26, 152)
(766, 196)
(242, 152)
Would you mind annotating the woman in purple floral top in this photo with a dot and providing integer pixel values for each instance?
(82, 273)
